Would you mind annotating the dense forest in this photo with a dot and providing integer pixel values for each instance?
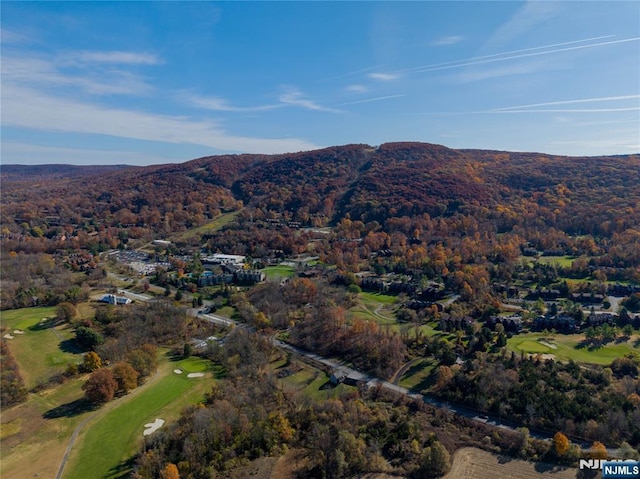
(523, 191)
(251, 414)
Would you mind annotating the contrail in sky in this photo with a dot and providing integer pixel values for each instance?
(568, 102)
(578, 110)
(407, 70)
(524, 55)
(371, 99)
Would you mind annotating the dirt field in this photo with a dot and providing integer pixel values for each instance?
(472, 463)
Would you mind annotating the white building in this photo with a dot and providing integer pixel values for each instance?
(113, 299)
(219, 258)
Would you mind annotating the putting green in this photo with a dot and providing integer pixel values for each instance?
(529, 346)
(193, 365)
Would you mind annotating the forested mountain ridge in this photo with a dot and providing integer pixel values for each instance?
(494, 191)
(57, 171)
(394, 179)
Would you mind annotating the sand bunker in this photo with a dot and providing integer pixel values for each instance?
(195, 375)
(542, 357)
(548, 344)
(17, 331)
(177, 371)
(8, 336)
(153, 427)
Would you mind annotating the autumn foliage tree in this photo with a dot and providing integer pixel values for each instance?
(100, 387)
(66, 312)
(170, 472)
(12, 389)
(598, 451)
(143, 360)
(125, 376)
(560, 444)
(444, 376)
(91, 362)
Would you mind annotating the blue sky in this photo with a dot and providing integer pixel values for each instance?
(156, 82)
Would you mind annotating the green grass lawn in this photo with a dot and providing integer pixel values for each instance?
(113, 438)
(378, 298)
(226, 311)
(312, 382)
(562, 261)
(40, 352)
(375, 307)
(32, 444)
(568, 347)
(26, 317)
(416, 377)
(279, 272)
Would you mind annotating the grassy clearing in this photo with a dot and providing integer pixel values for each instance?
(226, 311)
(213, 225)
(194, 364)
(26, 317)
(312, 382)
(375, 307)
(34, 436)
(41, 351)
(417, 376)
(473, 463)
(111, 439)
(279, 272)
(562, 261)
(569, 347)
(378, 298)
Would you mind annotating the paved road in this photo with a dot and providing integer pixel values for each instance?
(370, 381)
(74, 436)
(140, 297)
(403, 369)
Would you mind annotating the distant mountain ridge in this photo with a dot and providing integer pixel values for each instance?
(14, 172)
(322, 186)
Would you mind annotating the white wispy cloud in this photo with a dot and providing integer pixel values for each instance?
(531, 15)
(369, 100)
(216, 103)
(28, 108)
(114, 57)
(450, 40)
(384, 76)
(295, 97)
(353, 73)
(42, 72)
(292, 97)
(10, 36)
(357, 88)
